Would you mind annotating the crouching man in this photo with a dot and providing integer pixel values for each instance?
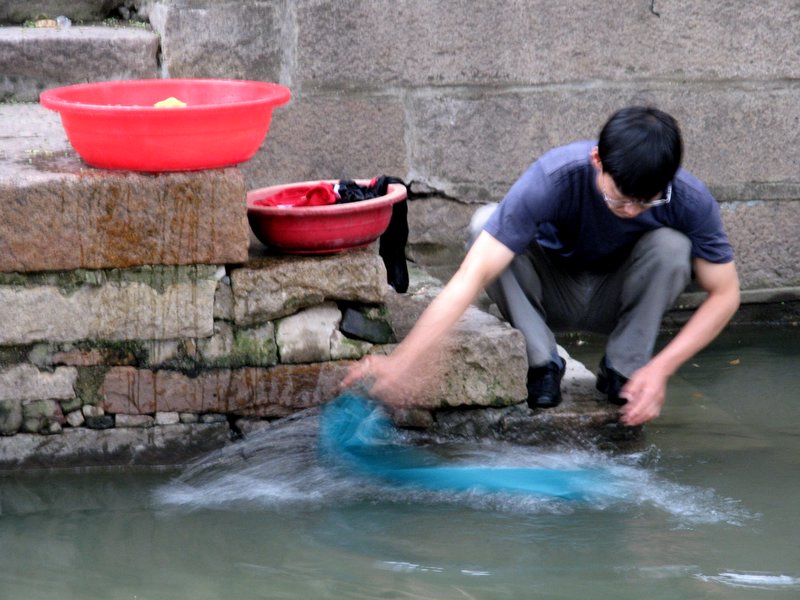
(598, 236)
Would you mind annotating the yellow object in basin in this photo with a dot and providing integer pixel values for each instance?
(170, 102)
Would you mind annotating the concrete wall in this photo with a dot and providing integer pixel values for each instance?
(460, 96)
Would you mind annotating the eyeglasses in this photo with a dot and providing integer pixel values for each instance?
(643, 203)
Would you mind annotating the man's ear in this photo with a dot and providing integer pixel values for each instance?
(595, 156)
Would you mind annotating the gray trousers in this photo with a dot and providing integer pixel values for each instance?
(538, 297)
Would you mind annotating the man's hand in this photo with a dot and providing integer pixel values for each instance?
(386, 379)
(646, 388)
(404, 377)
(646, 391)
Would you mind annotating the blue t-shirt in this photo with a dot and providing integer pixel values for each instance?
(557, 203)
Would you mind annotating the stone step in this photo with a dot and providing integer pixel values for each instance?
(79, 11)
(58, 214)
(38, 58)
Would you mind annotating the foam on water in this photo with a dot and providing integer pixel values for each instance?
(765, 581)
(282, 467)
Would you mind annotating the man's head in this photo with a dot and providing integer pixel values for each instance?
(641, 149)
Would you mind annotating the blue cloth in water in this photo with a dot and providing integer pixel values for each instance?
(356, 432)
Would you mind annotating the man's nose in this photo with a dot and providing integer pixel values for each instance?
(633, 209)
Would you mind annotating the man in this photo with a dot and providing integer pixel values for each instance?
(598, 236)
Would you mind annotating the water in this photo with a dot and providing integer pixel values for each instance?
(706, 509)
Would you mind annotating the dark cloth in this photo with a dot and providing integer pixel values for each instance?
(350, 191)
(355, 433)
(392, 244)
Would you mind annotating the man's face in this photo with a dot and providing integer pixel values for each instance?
(617, 203)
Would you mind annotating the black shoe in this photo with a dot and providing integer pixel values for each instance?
(611, 382)
(544, 384)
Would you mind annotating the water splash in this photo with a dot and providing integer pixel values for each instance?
(357, 434)
(282, 468)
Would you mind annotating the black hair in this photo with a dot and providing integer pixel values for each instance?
(640, 147)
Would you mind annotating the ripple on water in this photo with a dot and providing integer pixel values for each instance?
(756, 580)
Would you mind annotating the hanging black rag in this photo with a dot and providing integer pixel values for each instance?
(392, 244)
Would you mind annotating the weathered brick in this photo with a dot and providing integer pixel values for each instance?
(79, 358)
(272, 287)
(39, 415)
(305, 336)
(26, 382)
(284, 389)
(255, 346)
(158, 303)
(263, 392)
(121, 420)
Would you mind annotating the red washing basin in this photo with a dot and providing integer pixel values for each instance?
(115, 125)
(319, 229)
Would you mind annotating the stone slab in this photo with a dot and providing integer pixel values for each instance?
(333, 137)
(350, 43)
(487, 367)
(56, 213)
(486, 364)
(82, 447)
(253, 392)
(586, 424)
(224, 38)
(270, 287)
(26, 382)
(255, 347)
(515, 126)
(584, 418)
(35, 59)
(307, 336)
(765, 237)
(162, 303)
(19, 11)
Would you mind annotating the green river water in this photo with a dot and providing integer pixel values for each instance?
(709, 510)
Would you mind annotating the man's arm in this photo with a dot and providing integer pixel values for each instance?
(394, 374)
(647, 387)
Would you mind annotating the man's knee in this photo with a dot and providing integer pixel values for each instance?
(667, 248)
(479, 220)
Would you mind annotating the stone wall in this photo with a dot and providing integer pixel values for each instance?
(140, 321)
(152, 365)
(461, 96)
(166, 345)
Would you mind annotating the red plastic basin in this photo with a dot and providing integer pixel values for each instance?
(319, 229)
(114, 125)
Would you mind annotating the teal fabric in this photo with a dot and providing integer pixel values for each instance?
(357, 434)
